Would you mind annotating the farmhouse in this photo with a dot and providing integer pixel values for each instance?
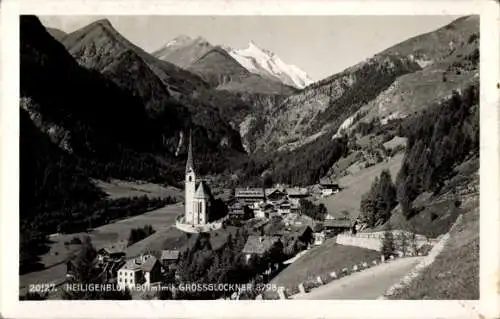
(328, 188)
(336, 226)
(296, 194)
(169, 258)
(111, 252)
(143, 270)
(263, 210)
(249, 196)
(274, 195)
(319, 238)
(284, 207)
(238, 211)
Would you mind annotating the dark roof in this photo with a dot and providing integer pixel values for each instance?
(259, 244)
(302, 229)
(271, 191)
(115, 248)
(144, 263)
(328, 185)
(169, 254)
(149, 264)
(337, 223)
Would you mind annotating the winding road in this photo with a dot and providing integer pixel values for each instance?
(368, 284)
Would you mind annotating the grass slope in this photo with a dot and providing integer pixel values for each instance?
(118, 189)
(356, 185)
(454, 274)
(322, 260)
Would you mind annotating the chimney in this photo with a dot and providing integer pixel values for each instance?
(261, 239)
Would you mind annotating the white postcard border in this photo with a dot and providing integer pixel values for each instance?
(489, 152)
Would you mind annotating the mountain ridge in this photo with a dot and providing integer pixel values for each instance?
(216, 65)
(300, 126)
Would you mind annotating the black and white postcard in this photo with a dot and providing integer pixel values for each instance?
(250, 159)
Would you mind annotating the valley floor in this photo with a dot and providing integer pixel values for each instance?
(161, 219)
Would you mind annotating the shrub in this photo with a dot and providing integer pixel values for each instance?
(388, 246)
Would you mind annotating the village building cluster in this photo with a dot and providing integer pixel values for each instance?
(261, 205)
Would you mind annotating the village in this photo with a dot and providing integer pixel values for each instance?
(277, 214)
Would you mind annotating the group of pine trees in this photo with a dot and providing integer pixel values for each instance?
(85, 274)
(138, 234)
(316, 212)
(440, 138)
(203, 264)
(377, 204)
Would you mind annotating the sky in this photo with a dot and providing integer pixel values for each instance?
(319, 45)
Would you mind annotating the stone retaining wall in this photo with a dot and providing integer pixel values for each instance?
(374, 240)
(426, 262)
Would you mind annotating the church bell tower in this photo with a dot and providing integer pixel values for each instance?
(190, 185)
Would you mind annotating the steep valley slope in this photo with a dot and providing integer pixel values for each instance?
(403, 79)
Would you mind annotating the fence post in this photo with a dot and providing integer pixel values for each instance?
(301, 288)
(355, 268)
(333, 274)
(382, 258)
(319, 280)
(282, 294)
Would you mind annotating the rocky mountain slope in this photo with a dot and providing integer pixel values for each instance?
(394, 83)
(168, 92)
(118, 118)
(268, 64)
(56, 33)
(183, 50)
(302, 137)
(449, 58)
(323, 106)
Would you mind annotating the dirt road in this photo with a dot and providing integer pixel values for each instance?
(365, 285)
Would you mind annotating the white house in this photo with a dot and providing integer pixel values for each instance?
(328, 189)
(319, 238)
(141, 271)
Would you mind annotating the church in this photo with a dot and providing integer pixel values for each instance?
(198, 196)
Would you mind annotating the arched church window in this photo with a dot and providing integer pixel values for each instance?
(189, 178)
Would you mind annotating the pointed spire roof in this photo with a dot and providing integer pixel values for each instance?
(189, 163)
(203, 191)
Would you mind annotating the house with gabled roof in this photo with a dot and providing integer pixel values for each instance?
(257, 246)
(143, 270)
(169, 258)
(114, 251)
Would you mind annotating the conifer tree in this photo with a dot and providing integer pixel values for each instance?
(388, 247)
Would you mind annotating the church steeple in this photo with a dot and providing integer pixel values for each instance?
(189, 163)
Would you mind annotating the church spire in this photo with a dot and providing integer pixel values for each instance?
(189, 163)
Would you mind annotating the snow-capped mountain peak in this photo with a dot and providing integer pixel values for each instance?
(266, 63)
